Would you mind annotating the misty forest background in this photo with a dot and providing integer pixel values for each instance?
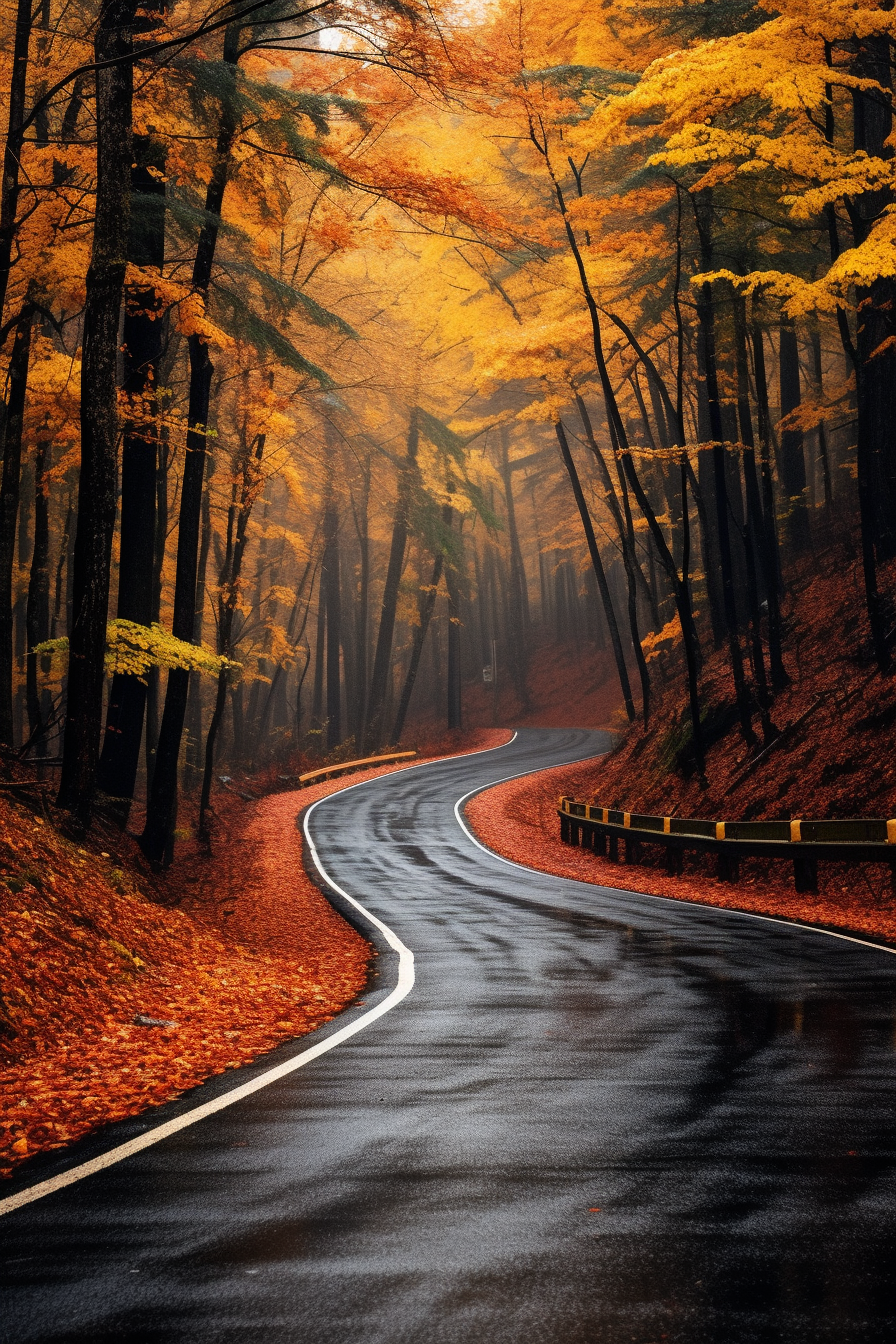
(375, 370)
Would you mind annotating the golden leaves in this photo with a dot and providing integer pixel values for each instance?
(133, 649)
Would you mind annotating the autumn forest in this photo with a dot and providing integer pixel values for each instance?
(366, 363)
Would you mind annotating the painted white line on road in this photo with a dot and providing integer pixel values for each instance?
(402, 988)
(671, 900)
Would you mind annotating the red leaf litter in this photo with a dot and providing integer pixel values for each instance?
(112, 1002)
(836, 757)
(519, 820)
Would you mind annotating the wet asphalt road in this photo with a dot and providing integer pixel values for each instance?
(598, 1118)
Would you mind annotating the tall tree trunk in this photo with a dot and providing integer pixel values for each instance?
(823, 452)
(426, 607)
(12, 153)
(237, 530)
(753, 523)
(330, 578)
(519, 598)
(633, 572)
(382, 659)
(37, 610)
(599, 574)
(194, 699)
(317, 689)
(9, 509)
(706, 320)
(360, 512)
(792, 458)
(875, 303)
(455, 693)
(771, 562)
(143, 342)
(874, 355)
(153, 679)
(98, 481)
(157, 838)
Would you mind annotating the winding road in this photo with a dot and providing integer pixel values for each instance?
(596, 1118)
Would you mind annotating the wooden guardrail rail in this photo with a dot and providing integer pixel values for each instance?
(871, 840)
(325, 771)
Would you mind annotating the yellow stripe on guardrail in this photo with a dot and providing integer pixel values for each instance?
(341, 767)
(795, 833)
(891, 832)
(626, 818)
(720, 830)
(667, 825)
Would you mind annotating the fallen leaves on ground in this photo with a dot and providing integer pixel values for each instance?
(254, 956)
(838, 760)
(519, 820)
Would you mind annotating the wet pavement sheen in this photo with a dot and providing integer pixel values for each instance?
(599, 1118)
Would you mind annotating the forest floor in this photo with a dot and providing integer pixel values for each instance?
(553, 669)
(121, 988)
(835, 757)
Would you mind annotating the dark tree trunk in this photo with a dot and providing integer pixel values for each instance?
(60, 607)
(753, 524)
(707, 335)
(771, 565)
(823, 452)
(455, 697)
(872, 355)
(154, 680)
(876, 309)
(37, 610)
(518, 595)
(330, 579)
(237, 536)
(705, 479)
(194, 700)
(317, 690)
(633, 572)
(426, 607)
(9, 510)
(98, 482)
(631, 564)
(157, 838)
(792, 458)
(599, 574)
(382, 659)
(12, 155)
(143, 342)
(362, 610)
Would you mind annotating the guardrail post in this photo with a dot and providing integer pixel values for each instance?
(728, 868)
(805, 872)
(674, 860)
(564, 829)
(600, 843)
(632, 851)
(613, 846)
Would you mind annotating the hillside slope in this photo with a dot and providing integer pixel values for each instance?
(835, 757)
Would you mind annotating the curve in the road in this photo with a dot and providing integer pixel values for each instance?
(599, 1118)
(403, 986)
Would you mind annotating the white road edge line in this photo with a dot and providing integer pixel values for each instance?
(403, 987)
(670, 900)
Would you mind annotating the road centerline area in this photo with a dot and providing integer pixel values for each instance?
(723, 1091)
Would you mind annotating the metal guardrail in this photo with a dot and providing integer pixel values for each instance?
(326, 771)
(869, 839)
